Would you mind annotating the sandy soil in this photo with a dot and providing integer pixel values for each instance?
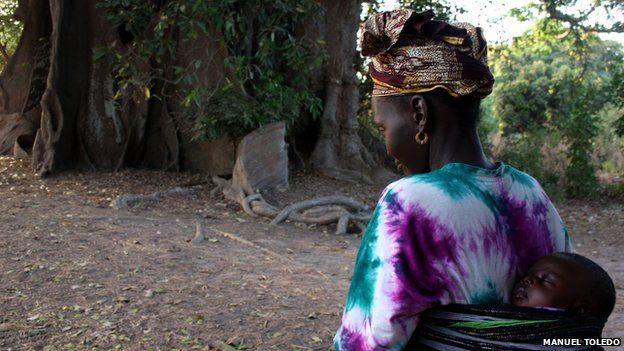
(79, 274)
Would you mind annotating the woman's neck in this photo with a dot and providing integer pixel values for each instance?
(456, 146)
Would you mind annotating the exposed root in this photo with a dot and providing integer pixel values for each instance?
(329, 200)
(229, 190)
(264, 209)
(137, 200)
(322, 211)
(246, 203)
(343, 223)
(326, 210)
(199, 233)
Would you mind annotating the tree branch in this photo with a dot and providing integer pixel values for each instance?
(552, 10)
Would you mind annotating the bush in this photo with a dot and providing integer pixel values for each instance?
(536, 154)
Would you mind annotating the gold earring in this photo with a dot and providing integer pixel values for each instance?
(420, 139)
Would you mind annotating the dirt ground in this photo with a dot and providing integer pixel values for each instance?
(79, 274)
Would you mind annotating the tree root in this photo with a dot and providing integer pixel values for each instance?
(246, 203)
(199, 233)
(136, 200)
(329, 200)
(326, 210)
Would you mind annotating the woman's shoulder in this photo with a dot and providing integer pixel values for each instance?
(522, 177)
(423, 188)
(453, 178)
(456, 182)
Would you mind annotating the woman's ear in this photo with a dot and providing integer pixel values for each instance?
(418, 105)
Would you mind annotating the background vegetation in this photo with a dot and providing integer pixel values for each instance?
(269, 64)
(10, 30)
(557, 110)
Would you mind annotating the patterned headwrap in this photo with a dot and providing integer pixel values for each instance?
(411, 53)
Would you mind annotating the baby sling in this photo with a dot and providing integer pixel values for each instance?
(458, 327)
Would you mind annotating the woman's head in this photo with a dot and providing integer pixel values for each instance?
(429, 115)
(428, 78)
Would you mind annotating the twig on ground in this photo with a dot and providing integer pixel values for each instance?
(256, 246)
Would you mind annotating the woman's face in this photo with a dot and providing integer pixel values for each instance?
(395, 119)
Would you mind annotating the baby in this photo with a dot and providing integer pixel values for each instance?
(566, 281)
(556, 282)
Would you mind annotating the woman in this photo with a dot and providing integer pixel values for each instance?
(458, 228)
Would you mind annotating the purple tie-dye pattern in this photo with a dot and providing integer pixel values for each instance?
(528, 232)
(433, 262)
(351, 340)
(425, 246)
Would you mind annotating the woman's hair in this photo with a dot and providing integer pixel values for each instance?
(467, 108)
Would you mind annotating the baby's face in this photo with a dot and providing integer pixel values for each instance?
(551, 282)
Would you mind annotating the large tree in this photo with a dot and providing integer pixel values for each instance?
(68, 104)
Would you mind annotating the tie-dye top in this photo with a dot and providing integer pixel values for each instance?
(459, 234)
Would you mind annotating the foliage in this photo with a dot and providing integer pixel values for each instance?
(537, 154)
(581, 16)
(10, 30)
(270, 64)
(443, 9)
(488, 125)
(548, 82)
(617, 97)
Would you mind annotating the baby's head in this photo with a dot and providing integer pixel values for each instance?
(567, 281)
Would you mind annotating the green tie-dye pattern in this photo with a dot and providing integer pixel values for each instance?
(568, 240)
(487, 297)
(523, 178)
(362, 290)
(457, 187)
(457, 183)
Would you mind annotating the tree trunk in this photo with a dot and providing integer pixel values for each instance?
(23, 80)
(339, 151)
(58, 102)
(57, 145)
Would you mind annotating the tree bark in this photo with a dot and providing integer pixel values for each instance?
(23, 79)
(57, 145)
(55, 101)
(339, 151)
